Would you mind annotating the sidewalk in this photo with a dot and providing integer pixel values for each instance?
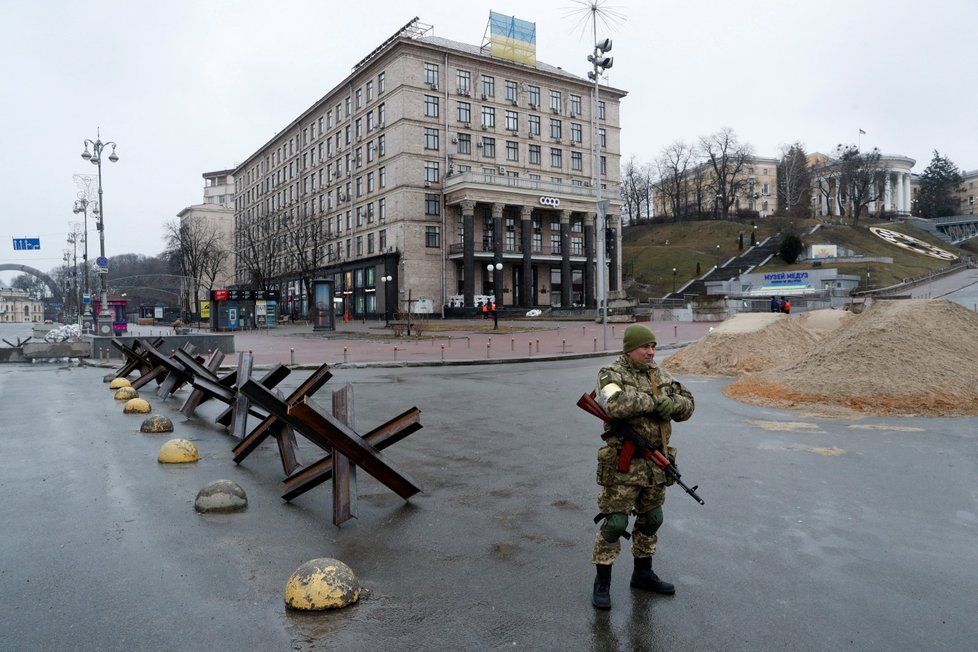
(443, 342)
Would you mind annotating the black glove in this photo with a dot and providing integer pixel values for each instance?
(663, 408)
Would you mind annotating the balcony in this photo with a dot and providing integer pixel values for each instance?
(484, 249)
(530, 186)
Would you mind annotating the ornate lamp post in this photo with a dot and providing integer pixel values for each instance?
(104, 315)
(81, 206)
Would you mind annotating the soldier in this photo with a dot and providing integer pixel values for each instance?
(638, 391)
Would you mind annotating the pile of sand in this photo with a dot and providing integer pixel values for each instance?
(745, 343)
(913, 357)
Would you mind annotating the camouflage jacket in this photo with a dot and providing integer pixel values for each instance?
(627, 390)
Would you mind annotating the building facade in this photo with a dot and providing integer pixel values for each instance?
(18, 306)
(430, 162)
(209, 230)
(753, 187)
(893, 186)
(967, 193)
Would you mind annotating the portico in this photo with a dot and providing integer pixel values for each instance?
(542, 233)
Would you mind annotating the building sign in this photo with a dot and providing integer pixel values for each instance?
(245, 295)
(912, 244)
(552, 202)
(26, 244)
(785, 278)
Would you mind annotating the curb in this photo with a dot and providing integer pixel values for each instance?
(394, 364)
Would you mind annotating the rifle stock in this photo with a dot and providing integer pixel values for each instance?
(638, 442)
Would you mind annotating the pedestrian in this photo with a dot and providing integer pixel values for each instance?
(485, 310)
(645, 396)
(495, 316)
(775, 305)
(786, 306)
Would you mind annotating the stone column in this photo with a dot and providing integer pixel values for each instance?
(528, 292)
(468, 253)
(589, 278)
(906, 193)
(887, 190)
(497, 252)
(566, 280)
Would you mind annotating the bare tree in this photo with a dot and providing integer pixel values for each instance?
(194, 248)
(729, 160)
(632, 190)
(673, 167)
(861, 178)
(794, 181)
(304, 241)
(256, 250)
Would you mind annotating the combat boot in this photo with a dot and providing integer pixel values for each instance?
(601, 598)
(643, 577)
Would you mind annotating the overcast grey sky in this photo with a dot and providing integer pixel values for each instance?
(189, 86)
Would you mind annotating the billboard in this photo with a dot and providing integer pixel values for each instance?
(512, 39)
(822, 251)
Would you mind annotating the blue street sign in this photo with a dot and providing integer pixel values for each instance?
(26, 243)
(102, 261)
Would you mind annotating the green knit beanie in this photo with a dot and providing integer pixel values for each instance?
(635, 336)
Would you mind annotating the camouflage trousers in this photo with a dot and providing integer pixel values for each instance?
(627, 499)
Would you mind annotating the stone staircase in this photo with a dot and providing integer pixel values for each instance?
(742, 264)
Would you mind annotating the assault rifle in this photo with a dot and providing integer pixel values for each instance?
(635, 442)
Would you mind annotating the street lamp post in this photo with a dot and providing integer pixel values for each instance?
(673, 280)
(104, 316)
(496, 271)
(718, 256)
(386, 280)
(81, 206)
(600, 63)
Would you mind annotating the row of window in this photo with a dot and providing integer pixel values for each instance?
(511, 90)
(463, 113)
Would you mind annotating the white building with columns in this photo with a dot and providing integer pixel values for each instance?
(894, 195)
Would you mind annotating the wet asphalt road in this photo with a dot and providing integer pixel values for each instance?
(816, 534)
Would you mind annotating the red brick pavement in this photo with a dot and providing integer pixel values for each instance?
(468, 341)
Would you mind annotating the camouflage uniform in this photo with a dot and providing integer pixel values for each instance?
(627, 390)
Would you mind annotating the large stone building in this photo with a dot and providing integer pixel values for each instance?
(209, 231)
(892, 185)
(431, 161)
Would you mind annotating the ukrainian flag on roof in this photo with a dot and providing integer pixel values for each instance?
(512, 39)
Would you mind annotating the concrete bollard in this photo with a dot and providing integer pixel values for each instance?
(344, 354)
(563, 346)
(442, 352)
(512, 344)
(595, 345)
(292, 356)
(538, 345)
(395, 354)
(529, 345)
(675, 330)
(583, 331)
(488, 347)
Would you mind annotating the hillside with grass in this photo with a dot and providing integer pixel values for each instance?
(651, 251)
